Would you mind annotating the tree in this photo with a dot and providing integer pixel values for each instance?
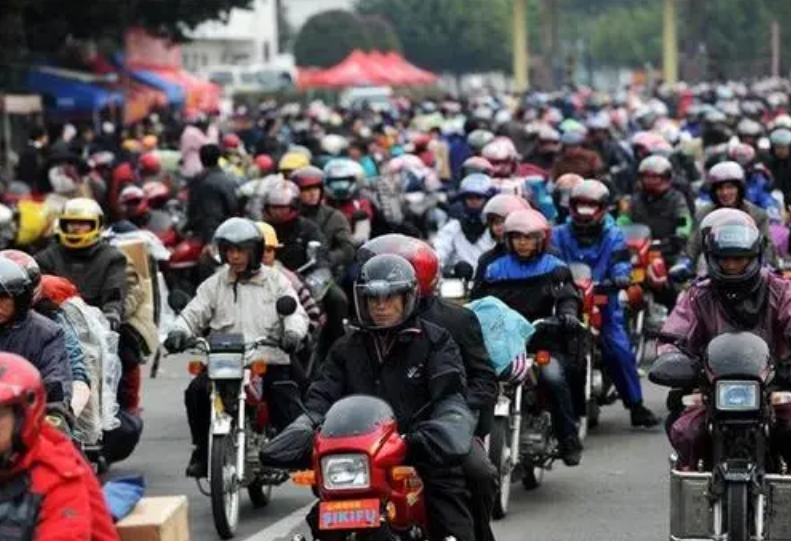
(449, 35)
(328, 37)
(381, 34)
(42, 26)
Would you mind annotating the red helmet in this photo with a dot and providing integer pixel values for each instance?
(265, 164)
(588, 203)
(307, 177)
(150, 164)
(529, 223)
(421, 141)
(133, 201)
(421, 256)
(476, 164)
(231, 141)
(157, 193)
(503, 205)
(22, 389)
(29, 265)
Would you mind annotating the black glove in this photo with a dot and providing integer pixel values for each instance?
(176, 341)
(290, 341)
(115, 322)
(569, 322)
(623, 281)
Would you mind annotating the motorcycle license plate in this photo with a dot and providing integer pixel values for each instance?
(638, 276)
(349, 514)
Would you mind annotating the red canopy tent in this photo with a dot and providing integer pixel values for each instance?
(139, 99)
(360, 69)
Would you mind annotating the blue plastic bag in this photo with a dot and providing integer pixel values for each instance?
(123, 494)
(505, 331)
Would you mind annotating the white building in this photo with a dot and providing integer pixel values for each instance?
(248, 37)
(300, 11)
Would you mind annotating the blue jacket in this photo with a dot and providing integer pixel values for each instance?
(509, 267)
(608, 258)
(41, 341)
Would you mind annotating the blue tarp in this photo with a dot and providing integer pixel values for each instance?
(69, 95)
(175, 94)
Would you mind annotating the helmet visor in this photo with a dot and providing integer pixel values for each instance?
(734, 241)
(383, 304)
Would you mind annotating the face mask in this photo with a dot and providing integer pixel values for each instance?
(587, 210)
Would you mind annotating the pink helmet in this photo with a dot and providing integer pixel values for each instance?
(503, 205)
(529, 222)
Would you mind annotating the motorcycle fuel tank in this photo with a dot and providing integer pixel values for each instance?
(738, 354)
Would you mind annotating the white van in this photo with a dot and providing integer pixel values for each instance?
(239, 79)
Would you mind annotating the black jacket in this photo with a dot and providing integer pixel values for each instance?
(464, 328)
(212, 200)
(540, 297)
(99, 272)
(400, 377)
(41, 341)
(295, 236)
(335, 227)
(480, 270)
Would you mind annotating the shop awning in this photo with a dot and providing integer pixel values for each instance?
(201, 95)
(70, 95)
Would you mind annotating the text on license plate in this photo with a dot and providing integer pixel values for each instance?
(349, 514)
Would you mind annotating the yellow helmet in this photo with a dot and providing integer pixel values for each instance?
(33, 222)
(150, 142)
(269, 234)
(291, 161)
(80, 210)
(131, 145)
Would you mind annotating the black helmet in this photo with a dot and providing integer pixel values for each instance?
(16, 284)
(381, 276)
(244, 235)
(734, 238)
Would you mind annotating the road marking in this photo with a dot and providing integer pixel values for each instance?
(282, 527)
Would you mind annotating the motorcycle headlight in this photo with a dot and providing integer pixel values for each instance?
(226, 366)
(345, 472)
(738, 395)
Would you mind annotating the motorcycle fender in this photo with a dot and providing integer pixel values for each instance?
(221, 424)
(503, 407)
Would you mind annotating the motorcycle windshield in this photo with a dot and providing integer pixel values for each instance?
(738, 354)
(636, 233)
(355, 416)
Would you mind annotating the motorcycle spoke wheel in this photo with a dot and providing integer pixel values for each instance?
(501, 456)
(260, 494)
(224, 486)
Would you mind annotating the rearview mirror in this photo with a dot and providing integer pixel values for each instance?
(445, 383)
(674, 370)
(463, 270)
(178, 300)
(286, 306)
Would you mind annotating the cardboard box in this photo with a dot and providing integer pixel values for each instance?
(156, 519)
(137, 252)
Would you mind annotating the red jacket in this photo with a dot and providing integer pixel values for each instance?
(73, 506)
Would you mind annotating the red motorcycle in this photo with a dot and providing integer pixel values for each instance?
(649, 275)
(182, 269)
(365, 491)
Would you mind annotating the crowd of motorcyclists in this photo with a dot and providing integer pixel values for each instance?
(359, 215)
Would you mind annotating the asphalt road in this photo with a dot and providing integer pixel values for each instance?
(619, 492)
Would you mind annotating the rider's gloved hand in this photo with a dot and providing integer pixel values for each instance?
(682, 270)
(622, 281)
(569, 322)
(290, 341)
(176, 341)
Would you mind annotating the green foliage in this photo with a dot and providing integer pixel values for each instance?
(627, 36)
(329, 37)
(449, 35)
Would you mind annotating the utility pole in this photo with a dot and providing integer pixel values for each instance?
(775, 49)
(520, 46)
(669, 42)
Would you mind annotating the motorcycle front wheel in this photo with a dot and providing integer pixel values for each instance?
(224, 486)
(501, 456)
(737, 495)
